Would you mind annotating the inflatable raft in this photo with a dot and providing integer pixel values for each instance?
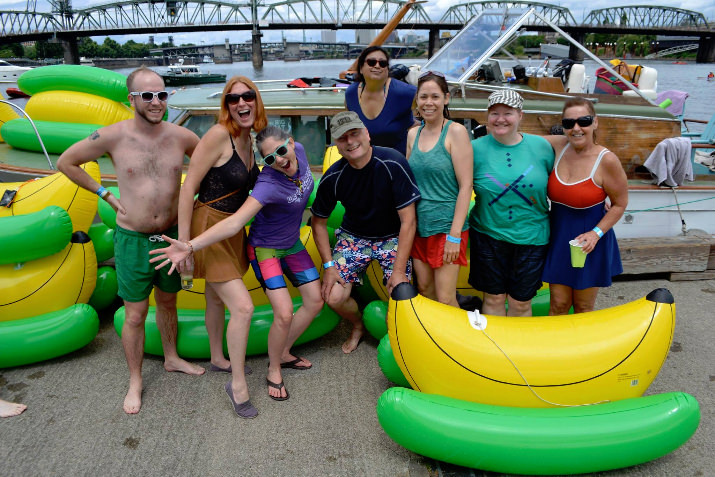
(585, 358)
(538, 441)
(193, 341)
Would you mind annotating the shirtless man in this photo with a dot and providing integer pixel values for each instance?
(148, 155)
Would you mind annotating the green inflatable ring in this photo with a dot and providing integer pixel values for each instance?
(538, 441)
(47, 336)
(85, 79)
(103, 240)
(193, 341)
(36, 235)
(389, 365)
(56, 137)
(105, 291)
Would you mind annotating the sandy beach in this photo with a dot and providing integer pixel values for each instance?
(74, 424)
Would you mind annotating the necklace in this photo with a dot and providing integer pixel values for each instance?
(297, 182)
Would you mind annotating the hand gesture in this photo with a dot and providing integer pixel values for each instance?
(176, 253)
(331, 277)
(451, 252)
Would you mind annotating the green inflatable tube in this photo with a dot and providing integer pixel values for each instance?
(105, 291)
(56, 137)
(85, 79)
(47, 336)
(539, 441)
(388, 364)
(106, 212)
(36, 235)
(103, 240)
(193, 340)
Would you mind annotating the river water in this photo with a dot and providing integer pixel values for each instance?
(689, 77)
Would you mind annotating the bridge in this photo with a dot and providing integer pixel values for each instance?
(121, 17)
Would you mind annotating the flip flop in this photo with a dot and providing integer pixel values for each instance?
(278, 386)
(294, 364)
(246, 369)
(244, 409)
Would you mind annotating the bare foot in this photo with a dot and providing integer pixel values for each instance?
(355, 337)
(10, 409)
(276, 378)
(133, 400)
(179, 365)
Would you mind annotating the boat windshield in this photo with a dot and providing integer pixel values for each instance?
(484, 35)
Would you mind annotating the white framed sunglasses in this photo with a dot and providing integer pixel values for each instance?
(148, 96)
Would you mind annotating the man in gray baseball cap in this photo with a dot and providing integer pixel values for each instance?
(378, 191)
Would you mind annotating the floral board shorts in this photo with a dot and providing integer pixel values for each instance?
(352, 255)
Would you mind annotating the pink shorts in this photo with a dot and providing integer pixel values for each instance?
(430, 250)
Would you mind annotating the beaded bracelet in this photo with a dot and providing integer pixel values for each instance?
(598, 231)
(191, 247)
(453, 239)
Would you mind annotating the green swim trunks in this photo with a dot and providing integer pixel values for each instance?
(136, 277)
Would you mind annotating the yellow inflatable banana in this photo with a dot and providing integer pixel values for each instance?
(604, 355)
(50, 283)
(194, 299)
(76, 107)
(56, 189)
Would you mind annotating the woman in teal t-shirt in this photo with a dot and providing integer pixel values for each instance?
(509, 223)
(440, 156)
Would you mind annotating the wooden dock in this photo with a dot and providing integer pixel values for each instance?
(689, 257)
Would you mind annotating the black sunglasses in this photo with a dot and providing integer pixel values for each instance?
(583, 121)
(247, 96)
(148, 96)
(371, 62)
(281, 150)
(430, 73)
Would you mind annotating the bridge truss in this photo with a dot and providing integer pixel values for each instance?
(461, 13)
(647, 16)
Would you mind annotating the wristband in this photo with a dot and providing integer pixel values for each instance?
(329, 264)
(102, 192)
(453, 239)
(598, 231)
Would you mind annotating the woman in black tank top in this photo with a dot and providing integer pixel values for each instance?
(222, 171)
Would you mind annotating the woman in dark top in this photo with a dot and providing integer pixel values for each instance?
(383, 104)
(223, 171)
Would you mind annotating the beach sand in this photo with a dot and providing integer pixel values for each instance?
(74, 424)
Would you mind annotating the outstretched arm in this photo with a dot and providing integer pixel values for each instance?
(178, 251)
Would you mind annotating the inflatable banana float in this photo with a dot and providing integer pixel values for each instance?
(50, 283)
(193, 341)
(585, 358)
(35, 235)
(86, 79)
(76, 107)
(56, 189)
(375, 313)
(538, 441)
(56, 137)
(47, 336)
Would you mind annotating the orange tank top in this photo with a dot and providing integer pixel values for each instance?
(578, 195)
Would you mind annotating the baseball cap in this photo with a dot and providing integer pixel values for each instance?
(507, 97)
(343, 122)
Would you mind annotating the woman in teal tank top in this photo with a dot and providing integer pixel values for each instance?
(440, 156)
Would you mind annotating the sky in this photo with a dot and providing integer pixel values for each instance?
(434, 9)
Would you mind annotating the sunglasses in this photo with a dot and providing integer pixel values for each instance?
(371, 62)
(430, 72)
(583, 121)
(281, 150)
(148, 96)
(248, 97)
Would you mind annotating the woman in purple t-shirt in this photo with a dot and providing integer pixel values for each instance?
(277, 202)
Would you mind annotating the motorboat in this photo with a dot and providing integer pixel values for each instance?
(181, 74)
(9, 73)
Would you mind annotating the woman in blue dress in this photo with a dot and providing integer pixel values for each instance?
(585, 174)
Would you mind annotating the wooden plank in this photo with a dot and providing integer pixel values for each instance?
(711, 259)
(684, 276)
(664, 254)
